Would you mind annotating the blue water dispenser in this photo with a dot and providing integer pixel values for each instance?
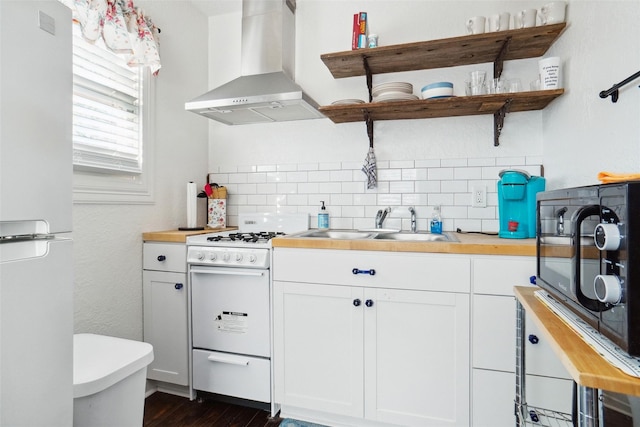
(517, 191)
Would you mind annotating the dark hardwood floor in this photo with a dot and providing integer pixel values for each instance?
(166, 410)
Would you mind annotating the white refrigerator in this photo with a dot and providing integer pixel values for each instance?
(36, 279)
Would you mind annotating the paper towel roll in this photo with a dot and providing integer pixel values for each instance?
(192, 204)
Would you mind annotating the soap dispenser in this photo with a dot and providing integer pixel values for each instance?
(323, 217)
(436, 221)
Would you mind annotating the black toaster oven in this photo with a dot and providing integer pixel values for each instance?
(588, 248)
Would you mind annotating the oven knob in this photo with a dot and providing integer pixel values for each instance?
(252, 258)
(608, 288)
(607, 237)
(199, 255)
(238, 257)
(213, 256)
(225, 257)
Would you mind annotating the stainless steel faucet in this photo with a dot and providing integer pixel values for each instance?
(381, 215)
(413, 219)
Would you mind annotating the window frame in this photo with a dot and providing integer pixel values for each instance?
(98, 186)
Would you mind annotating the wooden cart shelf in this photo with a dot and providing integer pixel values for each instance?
(494, 47)
(445, 107)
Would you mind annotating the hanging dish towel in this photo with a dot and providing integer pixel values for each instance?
(369, 169)
(607, 177)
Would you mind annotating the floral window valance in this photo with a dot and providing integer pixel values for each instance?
(124, 28)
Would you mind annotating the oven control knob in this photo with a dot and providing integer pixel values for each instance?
(608, 288)
(199, 255)
(607, 237)
(238, 257)
(213, 256)
(225, 257)
(252, 258)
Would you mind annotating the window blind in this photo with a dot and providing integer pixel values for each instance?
(107, 109)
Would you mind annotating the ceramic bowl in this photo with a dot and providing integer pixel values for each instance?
(437, 90)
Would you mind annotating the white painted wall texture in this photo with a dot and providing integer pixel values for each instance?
(578, 135)
(108, 238)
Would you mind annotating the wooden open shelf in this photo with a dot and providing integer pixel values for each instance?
(449, 52)
(444, 107)
(494, 47)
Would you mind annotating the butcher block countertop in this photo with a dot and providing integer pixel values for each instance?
(584, 364)
(179, 236)
(467, 244)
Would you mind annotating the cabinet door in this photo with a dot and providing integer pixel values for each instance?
(417, 357)
(165, 325)
(318, 347)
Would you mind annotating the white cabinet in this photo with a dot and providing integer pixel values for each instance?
(391, 348)
(164, 283)
(548, 385)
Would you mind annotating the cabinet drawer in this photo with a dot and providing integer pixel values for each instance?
(396, 270)
(165, 257)
(239, 376)
(497, 275)
(494, 339)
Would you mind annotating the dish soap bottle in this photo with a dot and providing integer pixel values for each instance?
(323, 217)
(436, 221)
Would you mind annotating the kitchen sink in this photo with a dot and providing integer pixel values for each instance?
(378, 234)
(407, 236)
(337, 234)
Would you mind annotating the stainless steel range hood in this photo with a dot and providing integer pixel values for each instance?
(265, 92)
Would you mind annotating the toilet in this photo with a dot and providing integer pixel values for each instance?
(109, 379)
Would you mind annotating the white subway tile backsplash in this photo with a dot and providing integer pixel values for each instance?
(389, 174)
(453, 186)
(427, 163)
(287, 188)
(287, 168)
(329, 166)
(484, 161)
(439, 173)
(401, 187)
(389, 199)
(422, 183)
(453, 162)
(401, 164)
(297, 176)
(467, 173)
(319, 176)
(341, 175)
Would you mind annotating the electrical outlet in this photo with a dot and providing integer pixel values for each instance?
(479, 196)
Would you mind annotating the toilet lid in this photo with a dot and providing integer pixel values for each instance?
(100, 361)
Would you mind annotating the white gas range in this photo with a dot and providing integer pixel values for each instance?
(230, 288)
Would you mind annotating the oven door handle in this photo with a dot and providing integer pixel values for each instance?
(229, 359)
(256, 273)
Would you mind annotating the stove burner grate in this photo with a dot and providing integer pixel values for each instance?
(263, 236)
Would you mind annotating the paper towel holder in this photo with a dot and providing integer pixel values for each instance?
(192, 196)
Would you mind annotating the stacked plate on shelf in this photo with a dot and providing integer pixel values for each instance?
(393, 91)
(347, 102)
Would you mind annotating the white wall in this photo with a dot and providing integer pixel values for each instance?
(578, 135)
(108, 238)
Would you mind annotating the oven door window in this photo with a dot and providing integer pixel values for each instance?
(230, 310)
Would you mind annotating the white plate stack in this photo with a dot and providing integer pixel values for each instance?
(393, 91)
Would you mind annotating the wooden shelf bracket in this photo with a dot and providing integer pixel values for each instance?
(367, 70)
(498, 121)
(499, 61)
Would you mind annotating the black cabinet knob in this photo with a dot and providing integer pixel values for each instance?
(161, 258)
(357, 302)
(533, 339)
(368, 303)
(179, 286)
